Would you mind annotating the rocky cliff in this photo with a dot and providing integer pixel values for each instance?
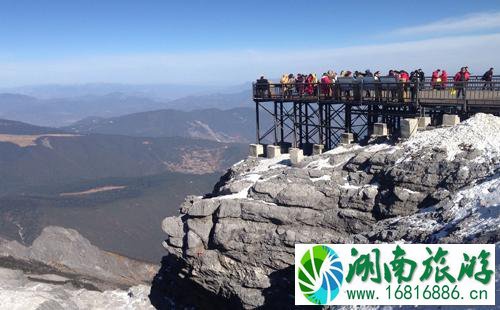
(63, 270)
(235, 247)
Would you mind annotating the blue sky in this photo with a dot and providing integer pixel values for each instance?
(192, 42)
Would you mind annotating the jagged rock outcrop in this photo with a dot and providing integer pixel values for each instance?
(238, 243)
(63, 270)
(68, 251)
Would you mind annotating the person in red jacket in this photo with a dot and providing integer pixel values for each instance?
(404, 79)
(309, 85)
(444, 79)
(467, 73)
(435, 79)
(404, 76)
(326, 85)
(460, 80)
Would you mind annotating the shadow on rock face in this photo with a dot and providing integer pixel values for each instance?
(280, 295)
(169, 290)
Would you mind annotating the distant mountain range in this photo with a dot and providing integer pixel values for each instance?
(64, 111)
(73, 105)
(162, 92)
(216, 100)
(234, 125)
(20, 128)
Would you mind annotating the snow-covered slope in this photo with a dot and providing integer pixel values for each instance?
(481, 132)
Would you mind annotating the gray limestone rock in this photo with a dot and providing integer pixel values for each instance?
(173, 226)
(201, 227)
(203, 207)
(241, 247)
(306, 196)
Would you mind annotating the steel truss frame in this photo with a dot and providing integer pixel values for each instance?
(301, 124)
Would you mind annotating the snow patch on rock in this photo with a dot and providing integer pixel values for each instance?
(281, 161)
(320, 164)
(322, 178)
(481, 132)
(480, 205)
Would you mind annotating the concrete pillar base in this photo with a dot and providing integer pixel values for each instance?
(424, 122)
(296, 155)
(273, 151)
(285, 147)
(450, 120)
(408, 127)
(256, 150)
(318, 149)
(347, 138)
(380, 129)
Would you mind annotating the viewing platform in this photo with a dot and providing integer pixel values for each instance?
(306, 114)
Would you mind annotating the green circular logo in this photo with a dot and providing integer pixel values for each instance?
(320, 274)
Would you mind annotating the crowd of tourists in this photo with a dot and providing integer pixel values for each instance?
(309, 84)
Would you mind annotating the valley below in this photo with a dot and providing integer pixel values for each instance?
(113, 189)
(125, 220)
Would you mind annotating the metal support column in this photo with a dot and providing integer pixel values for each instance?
(257, 119)
(321, 124)
(275, 123)
(282, 129)
(348, 118)
(328, 126)
(301, 126)
(306, 109)
(295, 124)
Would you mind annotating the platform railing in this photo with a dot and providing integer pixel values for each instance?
(386, 90)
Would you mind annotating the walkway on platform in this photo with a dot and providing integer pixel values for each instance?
(387, 90)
